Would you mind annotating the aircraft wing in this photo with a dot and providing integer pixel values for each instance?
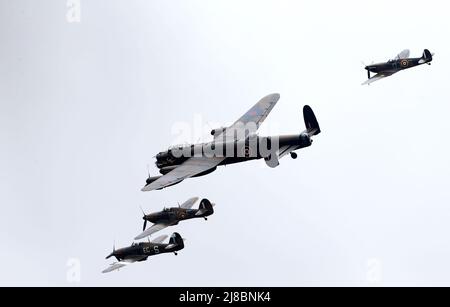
(257, 114)
(117, 266)
(160, 239)
(148, 232)
(189, 203)
(191, 167)
(377, 77)
(403, 55)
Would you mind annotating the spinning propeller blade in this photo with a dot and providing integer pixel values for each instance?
(145, 225)
(145, 220)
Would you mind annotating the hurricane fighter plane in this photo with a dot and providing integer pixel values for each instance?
(141, 251)
(172, 216)
(400, 62)
(234, 144)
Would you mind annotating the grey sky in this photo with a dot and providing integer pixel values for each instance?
(85, 106)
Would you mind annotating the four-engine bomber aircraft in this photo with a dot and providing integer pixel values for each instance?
(400, 62)
(237, 143)
(141, 251)
(172, 216)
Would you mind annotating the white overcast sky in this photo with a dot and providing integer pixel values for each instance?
(85, 106)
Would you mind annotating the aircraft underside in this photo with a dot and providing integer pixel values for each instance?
(240, 152)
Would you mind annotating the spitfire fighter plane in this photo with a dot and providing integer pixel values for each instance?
(234, 144)
(172, 216)
(400, 62)
(141, 251)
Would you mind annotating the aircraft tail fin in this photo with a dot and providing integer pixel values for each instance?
(426, 57)
(311, 123)
(176, 239)
(205, 208)
(206, 205)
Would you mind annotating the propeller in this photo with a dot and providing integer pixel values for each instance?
(148, 174)
(145, 224)
(366, 67)
(145, 220)
(114, 250)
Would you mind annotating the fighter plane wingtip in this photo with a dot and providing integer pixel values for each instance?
(275, 95)
(143, 235)
(146, 188)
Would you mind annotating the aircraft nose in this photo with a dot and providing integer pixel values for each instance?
(152, 217)
(110, 255)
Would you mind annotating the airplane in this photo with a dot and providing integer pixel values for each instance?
(138, 252)
(400, 62)
(172, 216)
(234, 144)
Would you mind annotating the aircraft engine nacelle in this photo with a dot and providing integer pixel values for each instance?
(151, 179)
(167, 159)
(167, 169)
(217, 131)
(164, 155)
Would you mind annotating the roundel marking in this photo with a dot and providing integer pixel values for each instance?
(404, 63)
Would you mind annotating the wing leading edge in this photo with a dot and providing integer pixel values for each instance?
(377, 77)
(191, 167)
(189, 203)
(118, 265)
(148, 232)
(257, 114)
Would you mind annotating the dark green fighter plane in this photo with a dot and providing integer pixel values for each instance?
(172, 216)
(141, 251)
(400, 62)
